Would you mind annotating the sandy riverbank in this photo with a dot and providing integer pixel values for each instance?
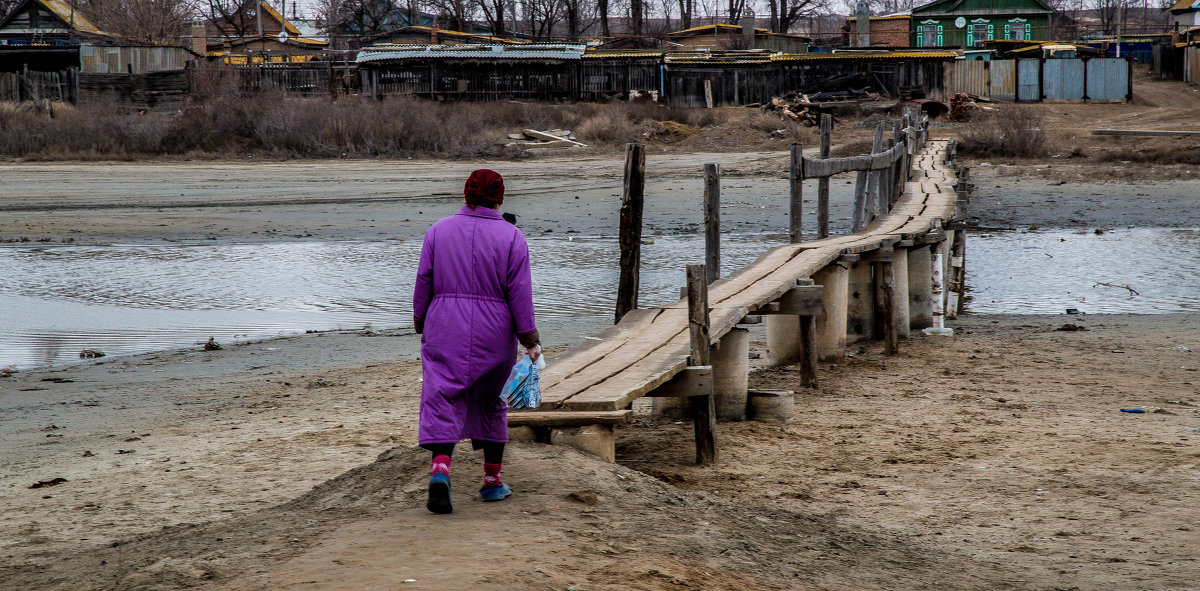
(998, 458)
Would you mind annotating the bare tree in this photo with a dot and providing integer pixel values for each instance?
(602, 9)
(542, 16)
(228, 18)
(785, 13)
(736, 7)
(144, 20)
(493, 13)
(637, 8)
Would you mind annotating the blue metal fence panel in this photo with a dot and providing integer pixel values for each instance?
(1063, 79)
(1107, 79)
(1029, 86)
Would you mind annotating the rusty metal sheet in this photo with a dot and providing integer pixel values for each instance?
(1002, 78)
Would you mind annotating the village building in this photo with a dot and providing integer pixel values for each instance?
(52, 36)
(1185, 14)
(969, 24)
(887, 31)
(719, 37)
(256, 31)
(421, 35)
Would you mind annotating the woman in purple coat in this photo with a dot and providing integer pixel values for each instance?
(472, 303)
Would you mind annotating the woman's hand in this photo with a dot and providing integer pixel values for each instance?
(534, 352)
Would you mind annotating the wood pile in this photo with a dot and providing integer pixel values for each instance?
(802, 110)
(553, 139)
(963, 106)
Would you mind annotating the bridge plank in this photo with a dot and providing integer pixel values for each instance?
(593, 349)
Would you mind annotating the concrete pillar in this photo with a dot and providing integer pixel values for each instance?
(831, 323)
(860, 307)
(783, 339)
(900, 269)
(920, 285)
(731, 375)
(597, 440)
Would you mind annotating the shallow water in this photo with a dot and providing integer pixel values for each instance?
(1049, 272)
(58, 300)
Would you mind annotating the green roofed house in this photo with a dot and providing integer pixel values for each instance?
(969, 23)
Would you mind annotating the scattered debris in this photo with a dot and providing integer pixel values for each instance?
(212, 345)
(48, 483)
(1134, 410)
(64, 380)
(90, 354)
(125, 451)
(554, 139)
(88, 454)
(1132, 291)
(1071, 327)
(8, 371)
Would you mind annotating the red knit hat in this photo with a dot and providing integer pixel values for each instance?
(484, 187)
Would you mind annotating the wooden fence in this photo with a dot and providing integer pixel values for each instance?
(30, 85)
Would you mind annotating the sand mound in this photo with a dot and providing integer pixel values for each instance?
(574, 520)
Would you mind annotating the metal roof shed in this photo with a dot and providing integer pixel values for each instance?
(472, 72)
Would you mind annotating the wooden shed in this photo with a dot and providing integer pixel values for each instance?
(472, 72)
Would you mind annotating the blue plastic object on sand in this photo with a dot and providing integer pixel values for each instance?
(1133, 410)
(523, 389)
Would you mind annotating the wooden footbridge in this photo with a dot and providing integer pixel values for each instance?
(814, 297)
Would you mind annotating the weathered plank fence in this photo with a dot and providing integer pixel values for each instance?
(814, 297)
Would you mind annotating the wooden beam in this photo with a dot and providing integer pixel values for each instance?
(704, 413)
(564, 418)
(808, 351)
(802, 300)
(823, 182)
(630, 238)
(712, 221)
(694, 380)
(796, 202)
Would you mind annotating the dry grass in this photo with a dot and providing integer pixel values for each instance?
(1012, 131)
(223, 121)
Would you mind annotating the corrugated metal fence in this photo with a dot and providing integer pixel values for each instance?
(1034, 80)
(95, 59)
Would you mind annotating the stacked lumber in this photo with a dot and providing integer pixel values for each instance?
(554, 139)
(963, 106)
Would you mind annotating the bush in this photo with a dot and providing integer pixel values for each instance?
(1010, 131)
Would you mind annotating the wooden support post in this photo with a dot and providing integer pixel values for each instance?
(712, 221)
(704, 415)
(920, 281)
(958, 273)
(860, 202)
(796, 205)
(887, 195)
(873, 183)
(823, 182)
(808, 352)
(630, 238)
(888, 292)
(962, 188)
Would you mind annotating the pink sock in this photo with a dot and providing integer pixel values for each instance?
(441, 465)
(491, 474)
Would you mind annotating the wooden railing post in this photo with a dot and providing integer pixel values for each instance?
(704, 416)
(630, 236)
(823, 182)
(873, 184)
(796, 205)
(712, 221)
